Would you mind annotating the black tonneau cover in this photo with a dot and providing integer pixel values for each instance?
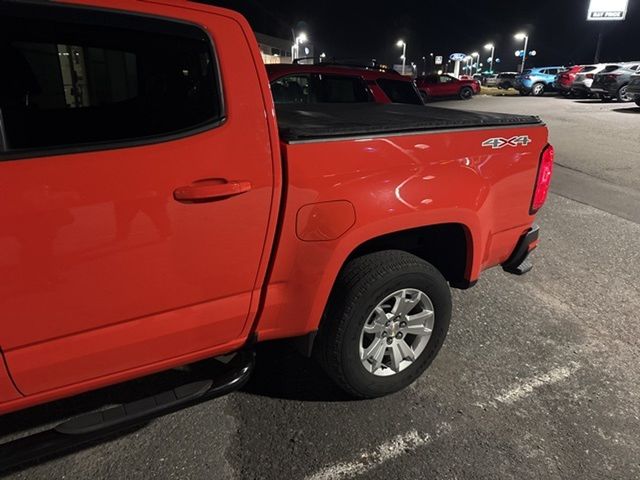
(324, 121)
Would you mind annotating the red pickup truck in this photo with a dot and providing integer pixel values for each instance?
(159, 210)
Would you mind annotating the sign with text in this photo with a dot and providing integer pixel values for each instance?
(607, 10)
(439, 60)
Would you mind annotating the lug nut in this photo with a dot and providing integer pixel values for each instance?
(403, 324)
(384, 334)
(389, 340)
(399, 336)
(388, 324)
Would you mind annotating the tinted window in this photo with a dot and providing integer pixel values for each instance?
(431, 79)
(589, 68)
(611, 68)
(446, 79)
(319, 88)
(399, 91)
(75, 77)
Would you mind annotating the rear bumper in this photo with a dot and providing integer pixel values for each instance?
(517, 263)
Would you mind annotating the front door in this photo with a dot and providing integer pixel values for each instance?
(135, 201)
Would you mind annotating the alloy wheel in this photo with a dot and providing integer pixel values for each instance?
(396, 332)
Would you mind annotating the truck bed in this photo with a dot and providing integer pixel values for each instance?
(326, 121)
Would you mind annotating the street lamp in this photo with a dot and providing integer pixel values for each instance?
(492, 47)
(467, 63)
(402, 44)
(475, 55)
(525, 37)
(299, 40)
(424, 66)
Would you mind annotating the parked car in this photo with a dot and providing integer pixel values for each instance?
(613, 85)
(581, 86)
(162, 211)
(507, 80)
(565, 79)
(335, 83)
(504, 80)
(537, 81)
(439, 86)
(633, 89)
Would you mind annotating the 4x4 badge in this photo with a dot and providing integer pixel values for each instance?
(500, 142)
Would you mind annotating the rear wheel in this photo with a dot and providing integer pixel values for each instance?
(386, 321)
(623, 95)
(466, 93)
(538, 89)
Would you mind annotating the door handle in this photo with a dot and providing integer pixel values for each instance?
(210, 190)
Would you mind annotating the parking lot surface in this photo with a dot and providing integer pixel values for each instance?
(539, 377)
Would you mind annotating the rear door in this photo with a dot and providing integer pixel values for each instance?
(137, 177)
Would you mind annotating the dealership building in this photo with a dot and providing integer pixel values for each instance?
(279, 50)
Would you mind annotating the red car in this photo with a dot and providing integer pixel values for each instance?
(334, 83)
(160, 210)
(564, 81)
(439, 86)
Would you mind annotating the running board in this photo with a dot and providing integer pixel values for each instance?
(88, 428)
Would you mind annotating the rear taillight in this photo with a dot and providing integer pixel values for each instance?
(589, 75)
(543, 181)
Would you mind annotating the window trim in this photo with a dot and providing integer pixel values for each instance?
(8, 154)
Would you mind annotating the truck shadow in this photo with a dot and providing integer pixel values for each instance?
(283, 373)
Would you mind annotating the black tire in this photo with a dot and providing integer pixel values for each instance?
(466, 93)
(538, 89)
(362, 284)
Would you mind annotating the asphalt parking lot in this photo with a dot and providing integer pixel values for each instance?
(539, 377)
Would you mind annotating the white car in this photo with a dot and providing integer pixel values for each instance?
(584, 80)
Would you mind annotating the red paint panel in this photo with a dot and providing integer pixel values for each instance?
(398, 183)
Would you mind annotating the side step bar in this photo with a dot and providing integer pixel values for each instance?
(88, 428)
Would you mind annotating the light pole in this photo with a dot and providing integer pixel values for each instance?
(525, 37)
(299, 40)
(467, 63)
(492, 47)
(475, 55)
(402, 43)
(424, 66)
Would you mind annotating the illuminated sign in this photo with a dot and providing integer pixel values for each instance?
(607, 10)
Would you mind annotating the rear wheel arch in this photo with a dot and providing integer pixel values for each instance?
(447, 246)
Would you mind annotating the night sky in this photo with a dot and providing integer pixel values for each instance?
(363, 30)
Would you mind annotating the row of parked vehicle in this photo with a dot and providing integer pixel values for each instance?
(608, 81)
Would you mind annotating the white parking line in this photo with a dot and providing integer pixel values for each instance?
(525, 388)
(401, 444)
(413, 440)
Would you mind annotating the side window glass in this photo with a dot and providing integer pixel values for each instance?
(292, 89)
(75, 77)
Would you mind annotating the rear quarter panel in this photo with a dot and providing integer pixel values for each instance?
(397, 183)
